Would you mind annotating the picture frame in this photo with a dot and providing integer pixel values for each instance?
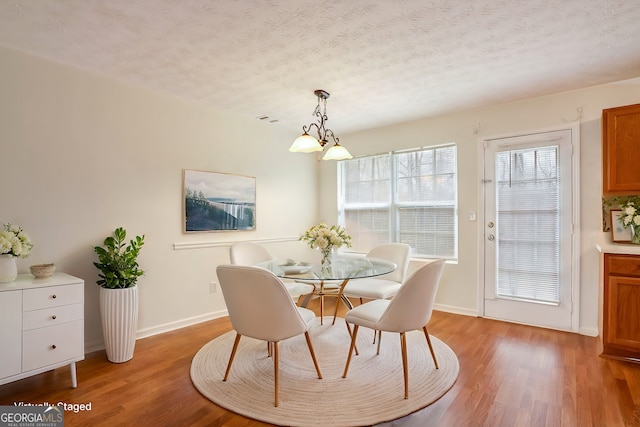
(619, 234)
(214, 201)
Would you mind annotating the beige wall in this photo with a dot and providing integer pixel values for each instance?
(460, 285)
(81, 155)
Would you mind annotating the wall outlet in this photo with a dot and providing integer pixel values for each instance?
(213, 287)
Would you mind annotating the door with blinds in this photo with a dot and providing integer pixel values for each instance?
(528, 229)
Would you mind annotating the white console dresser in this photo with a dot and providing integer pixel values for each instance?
(41, 325)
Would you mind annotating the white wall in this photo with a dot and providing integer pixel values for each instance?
(459, 287)
(81, 155)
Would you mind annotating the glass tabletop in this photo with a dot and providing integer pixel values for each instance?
(342, 266)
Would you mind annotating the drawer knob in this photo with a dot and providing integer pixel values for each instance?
(53, 347)
(54, 317)
(54, 296)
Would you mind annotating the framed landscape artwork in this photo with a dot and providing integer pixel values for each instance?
(618, 232)
(218, 201)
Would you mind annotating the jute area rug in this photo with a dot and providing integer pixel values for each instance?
(372, 392)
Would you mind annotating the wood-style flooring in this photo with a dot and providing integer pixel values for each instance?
(510, 375)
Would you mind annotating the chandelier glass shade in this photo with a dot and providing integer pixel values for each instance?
(306, 143)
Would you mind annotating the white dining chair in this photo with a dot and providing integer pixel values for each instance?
(249, 253)
(260, 307)
(382, 287)
(408, 310)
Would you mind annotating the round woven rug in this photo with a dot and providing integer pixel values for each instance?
(372, 392)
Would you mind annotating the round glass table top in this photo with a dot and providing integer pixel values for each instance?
(341, 267)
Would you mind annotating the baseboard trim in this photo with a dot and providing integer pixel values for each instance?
(455, 310)
(591, 332)
(166, 327)
(183, 323)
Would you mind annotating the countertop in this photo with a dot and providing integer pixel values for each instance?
(605, 245)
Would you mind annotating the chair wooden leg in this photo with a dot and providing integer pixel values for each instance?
(426, 334)
(353, 344)
(349, 329)
(379, 340)
(275, 371)
(405, 368)
(321, 309)
(313, 354)
(233, 354)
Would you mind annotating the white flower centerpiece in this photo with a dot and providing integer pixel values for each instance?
(326, 238)
(631, 216)
(14, 242)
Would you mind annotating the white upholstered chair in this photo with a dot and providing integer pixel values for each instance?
(408, 310)
(260, 307)
(248, 253)
(382, 287)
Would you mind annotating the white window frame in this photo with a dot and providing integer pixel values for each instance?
(393, 205)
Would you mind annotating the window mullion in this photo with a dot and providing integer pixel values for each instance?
(394, 234)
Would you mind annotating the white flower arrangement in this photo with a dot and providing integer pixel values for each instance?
(630, 217)
(14, 241)
(630, 214)
(326, 237)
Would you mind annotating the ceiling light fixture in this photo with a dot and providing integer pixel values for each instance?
(306, 143)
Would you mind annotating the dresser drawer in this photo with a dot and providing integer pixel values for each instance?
(52, 296)
(51, 316)
(51, 345)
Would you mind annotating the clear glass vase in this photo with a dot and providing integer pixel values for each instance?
(326, 257)
(635, 234)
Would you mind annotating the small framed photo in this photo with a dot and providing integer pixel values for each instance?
(619, 234)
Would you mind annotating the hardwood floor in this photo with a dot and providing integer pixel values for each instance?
(510, 375)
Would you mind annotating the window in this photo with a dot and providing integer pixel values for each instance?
(408, 197)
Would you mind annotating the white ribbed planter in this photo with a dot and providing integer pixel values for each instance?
(119, 313)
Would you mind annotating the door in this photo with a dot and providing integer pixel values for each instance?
(528, 229)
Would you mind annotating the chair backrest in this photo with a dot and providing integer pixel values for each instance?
(258, 303)
(397, 253)
(247, 253)
(412, 305)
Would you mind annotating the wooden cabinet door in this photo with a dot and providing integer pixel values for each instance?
(622, 313)
(621, 150)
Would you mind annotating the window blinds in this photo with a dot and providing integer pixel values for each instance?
(407, 197)
(528, 218)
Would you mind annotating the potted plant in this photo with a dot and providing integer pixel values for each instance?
(119, 272)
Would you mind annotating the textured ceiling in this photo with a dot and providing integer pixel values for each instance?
(383, 61)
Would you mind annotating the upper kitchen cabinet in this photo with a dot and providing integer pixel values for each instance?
(621, 150)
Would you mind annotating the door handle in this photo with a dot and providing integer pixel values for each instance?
(491, 224)
(491, 237)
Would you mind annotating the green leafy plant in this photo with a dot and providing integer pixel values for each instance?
(117, 260)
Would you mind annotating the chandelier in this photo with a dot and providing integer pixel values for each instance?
(306, 143)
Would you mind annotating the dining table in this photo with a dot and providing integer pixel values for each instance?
(329, 279)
